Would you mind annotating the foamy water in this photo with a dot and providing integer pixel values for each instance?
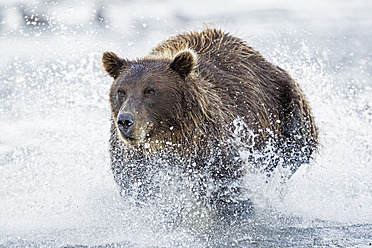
(56, 184)
(336, 185)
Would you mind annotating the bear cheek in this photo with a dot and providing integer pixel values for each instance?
(115, 104)
(115, 107)
(166, 120)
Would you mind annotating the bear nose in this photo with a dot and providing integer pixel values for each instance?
(125, 123)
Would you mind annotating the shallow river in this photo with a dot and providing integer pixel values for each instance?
(56, 187)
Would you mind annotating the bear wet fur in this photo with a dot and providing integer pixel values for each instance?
(185, 101)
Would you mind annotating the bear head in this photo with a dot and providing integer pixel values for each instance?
(148, 96)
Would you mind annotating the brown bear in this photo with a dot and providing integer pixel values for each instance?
(200, 101)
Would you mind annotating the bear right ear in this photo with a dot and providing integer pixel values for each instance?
(113, 64)
(184, 62)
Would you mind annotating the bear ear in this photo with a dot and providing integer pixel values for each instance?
(113, 64)
(184, 62)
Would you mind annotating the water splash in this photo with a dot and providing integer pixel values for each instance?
(336, 185)
(57, 188)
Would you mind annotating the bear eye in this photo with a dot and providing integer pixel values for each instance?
(149, 92)
(121, 93)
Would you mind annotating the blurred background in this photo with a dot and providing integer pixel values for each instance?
(56, 186)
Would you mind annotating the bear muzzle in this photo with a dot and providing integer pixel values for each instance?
(125, 123)
(133, 132)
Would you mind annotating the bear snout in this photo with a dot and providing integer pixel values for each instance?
(125, 124)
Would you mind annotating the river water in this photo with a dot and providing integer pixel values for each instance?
(56, 188)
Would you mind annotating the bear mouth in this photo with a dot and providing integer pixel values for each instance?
(137, 136)
(130, 140)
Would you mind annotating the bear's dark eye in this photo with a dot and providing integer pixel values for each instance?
(149, 92)
(121, 93)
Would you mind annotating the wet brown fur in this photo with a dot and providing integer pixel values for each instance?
(233, 80)
(223, 80)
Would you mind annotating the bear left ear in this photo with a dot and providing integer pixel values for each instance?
(184, 62)
(113, 64)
